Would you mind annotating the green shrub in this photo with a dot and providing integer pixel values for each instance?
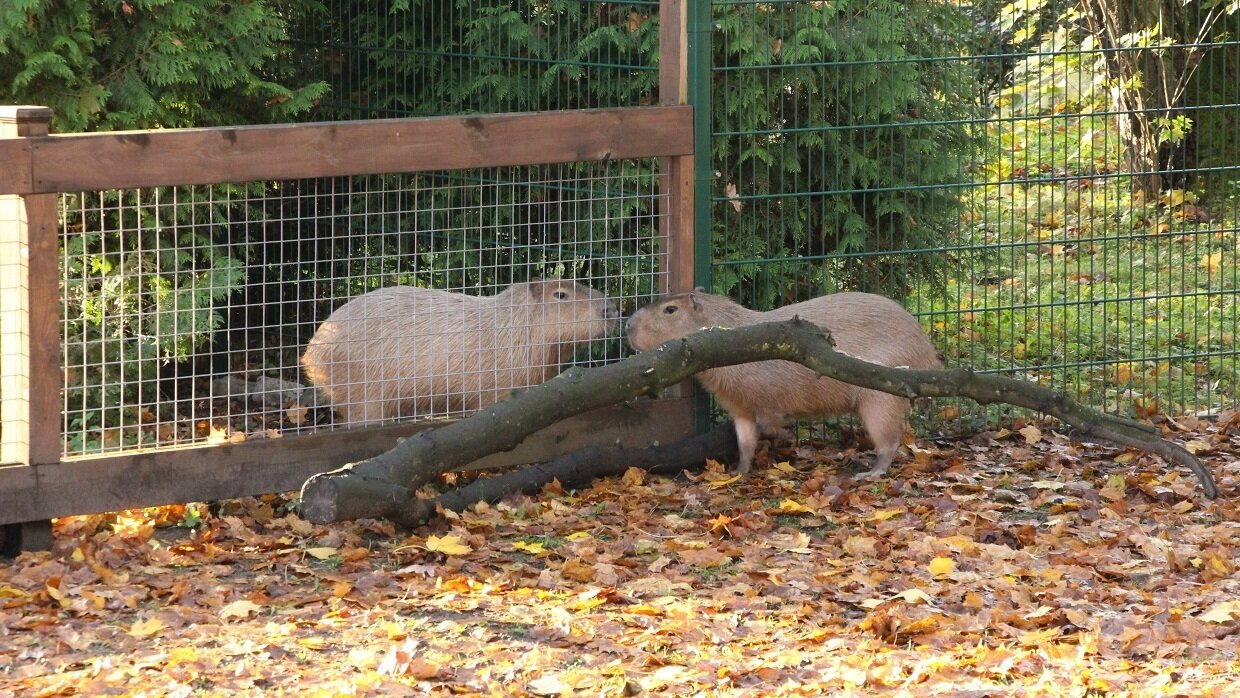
(834, 142)
(143, 289)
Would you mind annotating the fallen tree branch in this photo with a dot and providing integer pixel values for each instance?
(384, 486)
(577, 469)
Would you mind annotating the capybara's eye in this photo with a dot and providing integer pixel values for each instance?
(669, 309)
(561, 295)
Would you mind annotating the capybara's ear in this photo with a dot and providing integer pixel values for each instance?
(538, 287)
(697, 306)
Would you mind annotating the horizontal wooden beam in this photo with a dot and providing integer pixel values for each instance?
(206, 473)
(125, 159)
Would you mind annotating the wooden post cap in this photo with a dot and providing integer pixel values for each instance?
(25, 114)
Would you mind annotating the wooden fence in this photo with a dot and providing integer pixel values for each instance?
(37, 483)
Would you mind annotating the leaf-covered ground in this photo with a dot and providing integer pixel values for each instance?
(1014, 564)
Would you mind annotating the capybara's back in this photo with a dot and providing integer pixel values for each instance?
(765, 394)
(405, 351)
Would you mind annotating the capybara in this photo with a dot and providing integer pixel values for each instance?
(404, 351)
(762, 395)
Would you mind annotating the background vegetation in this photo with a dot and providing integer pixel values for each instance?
(1053, 182)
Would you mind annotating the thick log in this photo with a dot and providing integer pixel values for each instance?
(579, 468)
(500, 427)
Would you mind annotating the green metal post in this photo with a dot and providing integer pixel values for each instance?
(700, 28)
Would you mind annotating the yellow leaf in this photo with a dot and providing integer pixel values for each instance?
(1223, 612)
(13, 592)
(394, 631)
(1176, 197)
(784, 466)
(78, 555)
(884, 514)
(578, 535)
(792, 542)
(57, 594)
(716, 482)
(531, 548)
(643, 609)
(321, 553)
(341, 589)
(448, 545)
(1196, 446)
(913, 596)
(243, 608)
(1039, 612)
(791, 506)
(146, 628)
(942, 567)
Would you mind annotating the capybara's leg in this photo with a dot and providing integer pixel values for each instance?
(882, 416)
(746, 441)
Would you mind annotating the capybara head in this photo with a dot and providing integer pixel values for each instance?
(571, 313)
(676, 316)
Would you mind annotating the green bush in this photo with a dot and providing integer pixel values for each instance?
(835, 142)
(145, 290)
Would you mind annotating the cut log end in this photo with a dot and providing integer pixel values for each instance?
(320, 498)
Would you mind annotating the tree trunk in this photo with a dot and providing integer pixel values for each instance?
(385, 486)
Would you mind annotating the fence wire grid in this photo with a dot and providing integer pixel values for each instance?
(187, 310)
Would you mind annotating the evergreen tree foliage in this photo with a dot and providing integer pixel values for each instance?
(145, 273)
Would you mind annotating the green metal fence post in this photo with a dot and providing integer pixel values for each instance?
(701, 26)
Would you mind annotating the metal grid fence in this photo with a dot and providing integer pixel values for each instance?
(919, 151)
(188, 309)
(432, 57)
(991, 186)
(984, 163)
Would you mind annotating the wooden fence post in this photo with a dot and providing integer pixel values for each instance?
(29, 309)
(676, 173)
(676, 182)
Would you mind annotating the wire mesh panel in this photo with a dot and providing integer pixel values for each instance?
(187, 311)
(431, 57)
(1054, 194)
(13, 329)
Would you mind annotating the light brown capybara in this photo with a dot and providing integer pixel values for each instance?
(405, 351)
(763, 395)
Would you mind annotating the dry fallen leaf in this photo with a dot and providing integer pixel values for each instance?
(242, 608)
(146, 628)
(321, 553)
(1223, 612)
(450, 544)
(942, 567)
(1032, 434)
(1002, 567)
(733, 197)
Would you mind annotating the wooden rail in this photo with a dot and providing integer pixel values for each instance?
(125, 159)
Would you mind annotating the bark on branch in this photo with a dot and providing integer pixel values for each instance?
(384, 486)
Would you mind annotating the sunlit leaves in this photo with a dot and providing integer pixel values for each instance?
(988, 567)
